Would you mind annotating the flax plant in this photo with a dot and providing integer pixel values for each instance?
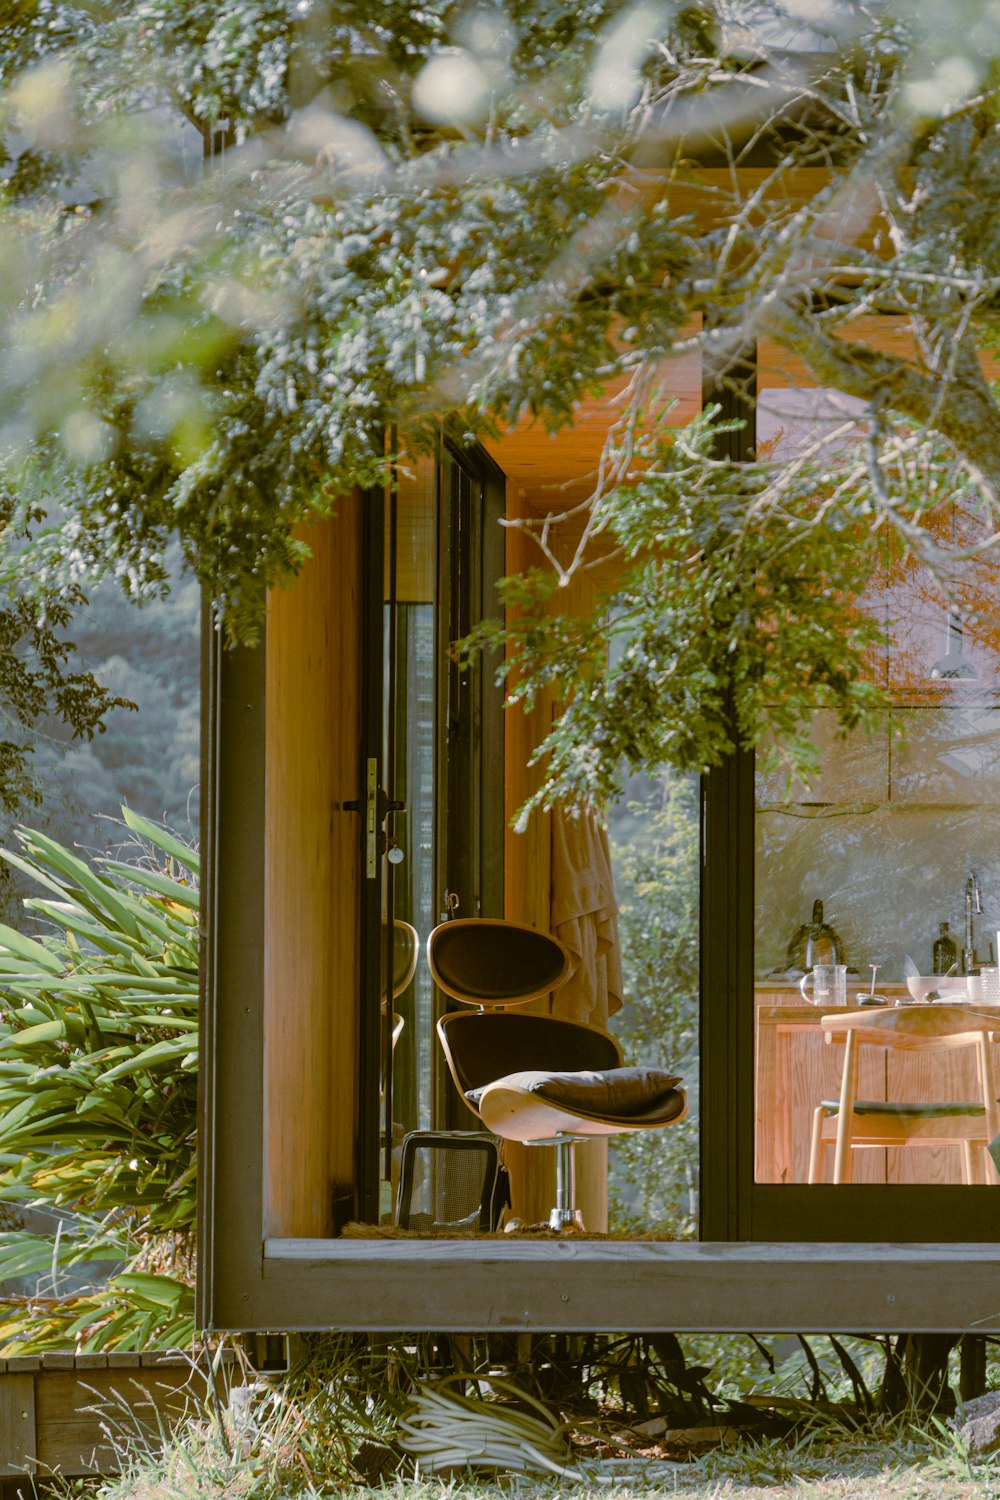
(98, 1083)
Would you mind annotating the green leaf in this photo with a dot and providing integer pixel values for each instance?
(163, 1291)
(27, 948)
(12, 1118)
(150, 1058)
(74, 919)
(83, 882)
(32, 870)
(184, 895)
(47, 1031)
(161, 839)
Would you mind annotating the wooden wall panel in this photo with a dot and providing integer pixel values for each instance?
(18, 1436)
(526, 863)
(528, 898)
(312, 873)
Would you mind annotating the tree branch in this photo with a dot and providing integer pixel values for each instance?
(960, 406)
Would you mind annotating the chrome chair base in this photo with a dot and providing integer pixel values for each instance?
(566, 1220)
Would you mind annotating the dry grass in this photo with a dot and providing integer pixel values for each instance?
(331, 1427)
(904, 1463)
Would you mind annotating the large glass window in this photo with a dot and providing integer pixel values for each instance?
(654, 839)
(410, 677)
(881, 878)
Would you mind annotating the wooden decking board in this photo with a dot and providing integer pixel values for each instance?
(635, 1286)
(58, 1359)
(18, 1443)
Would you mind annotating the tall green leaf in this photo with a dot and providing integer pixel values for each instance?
(98, 1091)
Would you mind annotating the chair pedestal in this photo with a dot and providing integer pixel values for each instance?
(565, 1215)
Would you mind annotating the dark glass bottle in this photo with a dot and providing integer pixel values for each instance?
(945, 952)
(797, 947)
(823, 945)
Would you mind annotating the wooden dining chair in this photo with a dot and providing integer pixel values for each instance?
(850, 1123)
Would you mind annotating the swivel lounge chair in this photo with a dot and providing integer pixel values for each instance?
(540, 1079)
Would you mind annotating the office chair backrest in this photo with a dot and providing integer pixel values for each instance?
(487, 962)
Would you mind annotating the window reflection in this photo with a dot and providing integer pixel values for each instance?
(888, 837)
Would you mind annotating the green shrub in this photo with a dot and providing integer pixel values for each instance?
(98, 1089)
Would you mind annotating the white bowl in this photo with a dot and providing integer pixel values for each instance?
(922, 985)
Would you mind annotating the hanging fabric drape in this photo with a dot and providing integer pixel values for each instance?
(585, 918)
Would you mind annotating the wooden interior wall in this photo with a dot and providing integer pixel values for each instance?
(312, 874)
(526, 863)
(528, 898)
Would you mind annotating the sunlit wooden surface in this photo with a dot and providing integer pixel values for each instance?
(311, 857)
(795, 1069)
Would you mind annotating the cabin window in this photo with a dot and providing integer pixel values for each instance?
(877, 884)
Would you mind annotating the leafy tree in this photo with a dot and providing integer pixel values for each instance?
(41, 682)
(434, 212)
(148, 759)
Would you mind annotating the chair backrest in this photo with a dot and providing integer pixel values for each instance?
(450, 1180)
(912, 1028)
(488, 962)
(482, 1046)
(405, 946)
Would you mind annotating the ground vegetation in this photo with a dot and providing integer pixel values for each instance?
(341, 1415)
(98, 1096)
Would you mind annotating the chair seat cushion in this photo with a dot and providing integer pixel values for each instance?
(617, 1093)
(906, 1111)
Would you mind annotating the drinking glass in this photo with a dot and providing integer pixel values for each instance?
(829, 985)
(989, 987)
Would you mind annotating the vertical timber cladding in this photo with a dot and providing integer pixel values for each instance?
(312, 876)
(528, 897)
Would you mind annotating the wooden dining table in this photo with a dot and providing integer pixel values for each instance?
(796, 1068)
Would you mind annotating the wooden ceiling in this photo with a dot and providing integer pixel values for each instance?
(553, 471)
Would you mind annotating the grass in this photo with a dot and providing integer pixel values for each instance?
(330, 1440)
(331, 1427)
(889, 1466)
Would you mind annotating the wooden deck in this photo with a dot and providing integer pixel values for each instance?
(577, 1284)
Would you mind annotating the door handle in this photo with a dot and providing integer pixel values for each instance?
(374, 807)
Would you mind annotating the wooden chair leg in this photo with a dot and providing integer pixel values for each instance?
(816, 1145)
(843, 1161)
(969, 1173)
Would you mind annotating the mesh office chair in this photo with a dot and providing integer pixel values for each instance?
(450, 1180)
(540, 1079)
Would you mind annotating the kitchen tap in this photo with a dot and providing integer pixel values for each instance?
(973, 908)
